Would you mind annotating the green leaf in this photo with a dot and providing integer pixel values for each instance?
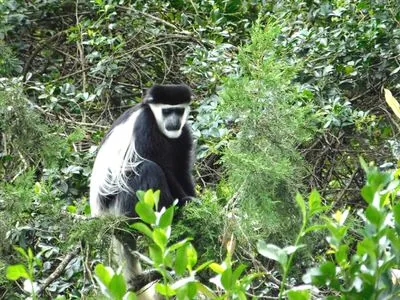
(374, 216)
(140, 195)
(341, 254)
(129, 296)
(191, 256)
(167, 217)
(182, 282)
(314, 228)
(272, 252)
(179, 244)
(226, 279)
(238, 272)
(367, 246)
(160, 238)
(103, 274)
(396, 213)
(149, 198)
(117, 286)
(156, 254)
(291, 249)
(217, 268)
(302, 205)
(14, 272)
(30, 254)
(203, 266)
(205, 290)
(367, 192)
(165, 289)
(22, 252)
(71, 209)
(328, 269)
(180, 261)
(299, 294)
(37, 188)
(143, 228)
(156, 197)
(145, 212)
(314, 202)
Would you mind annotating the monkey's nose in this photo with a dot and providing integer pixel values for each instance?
(173, 125)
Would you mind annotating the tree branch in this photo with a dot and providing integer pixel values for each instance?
(58, 271)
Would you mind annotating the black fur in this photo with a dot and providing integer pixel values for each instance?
(168, 94)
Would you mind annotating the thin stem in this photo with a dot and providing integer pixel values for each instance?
(288, 264)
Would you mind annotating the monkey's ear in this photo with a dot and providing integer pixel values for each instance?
(146, 95)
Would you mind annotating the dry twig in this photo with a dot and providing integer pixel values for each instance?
(58, 271)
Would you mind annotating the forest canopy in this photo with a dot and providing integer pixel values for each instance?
(290, 98)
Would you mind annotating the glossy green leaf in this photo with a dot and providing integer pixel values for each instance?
(191, 256)
(140, 195)
(14, 272)
(205, 290)
(165, 289)
(167, 217)
(341, 254)
(226, 279)
(143, 228)
(156, 254)
(217, 268)
(180, 261)
(149, 198)
(145, 212)
(299, 294)
(314, 202)
(179, 244)
(238, 272)
(300, 202)
(374, 216)
(367, 192)
(129, 296)
(314, 228)
(272, 252)
(160, 238)
(103, 274)
(117, 286)
(203, 266)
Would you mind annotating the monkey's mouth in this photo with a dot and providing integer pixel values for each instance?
(173, 134)
(173, 126)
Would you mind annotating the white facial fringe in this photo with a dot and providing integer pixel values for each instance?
(115, 158)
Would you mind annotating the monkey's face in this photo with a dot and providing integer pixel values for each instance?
(170, 118)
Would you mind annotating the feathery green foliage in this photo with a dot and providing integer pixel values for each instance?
(272, 118)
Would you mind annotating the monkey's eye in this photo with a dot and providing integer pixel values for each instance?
(169, 111)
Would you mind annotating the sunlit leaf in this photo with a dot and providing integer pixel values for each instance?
(392, 102)
(272, 252)
(14, 272)
(143, 228)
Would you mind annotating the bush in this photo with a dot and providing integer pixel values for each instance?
(271, 117)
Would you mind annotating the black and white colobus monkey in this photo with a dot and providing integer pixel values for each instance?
(148, 147)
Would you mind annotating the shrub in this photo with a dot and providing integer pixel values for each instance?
(271, 117)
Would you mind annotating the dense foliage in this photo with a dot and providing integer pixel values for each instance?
(288, 96)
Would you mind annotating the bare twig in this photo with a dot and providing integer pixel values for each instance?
(58, 271)
(157, 19)
(80, 48)
(23, 169)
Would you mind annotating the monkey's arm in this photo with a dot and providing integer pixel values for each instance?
(187, 184)
(176, 188)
